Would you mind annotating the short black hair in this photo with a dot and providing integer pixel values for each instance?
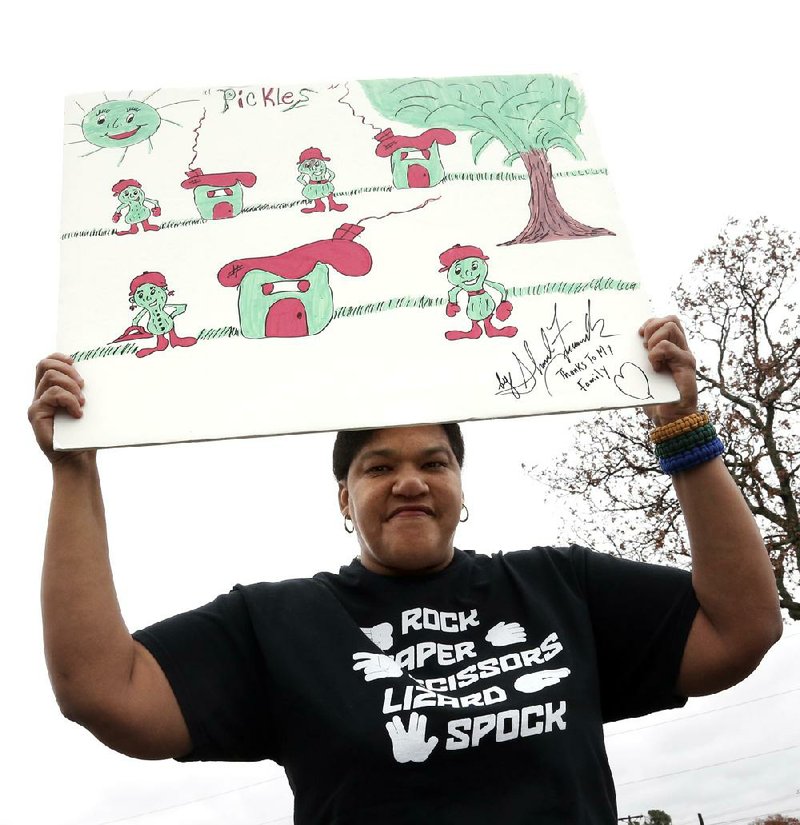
(349, 442)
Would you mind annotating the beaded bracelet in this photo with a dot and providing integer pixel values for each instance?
(693, 457)
(682, 425)
(685, 441)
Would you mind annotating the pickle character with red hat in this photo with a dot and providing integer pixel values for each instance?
(131, 197)
(150, 292)
(317, 180)
(467, 269)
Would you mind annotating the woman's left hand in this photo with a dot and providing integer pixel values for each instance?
(667, 349)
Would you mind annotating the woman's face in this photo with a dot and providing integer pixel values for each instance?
(403, 493)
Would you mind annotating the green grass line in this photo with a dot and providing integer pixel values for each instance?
(87, 233)
(127, 347)
(559, 287)
(579, 173)
(346, 193)
(574, 287)
(472, 177)
(221, 332)
(508, 176)
(483, 176)
(406, 302)
(602, 284)
(103, 352)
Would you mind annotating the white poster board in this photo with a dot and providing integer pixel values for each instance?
(262, 260)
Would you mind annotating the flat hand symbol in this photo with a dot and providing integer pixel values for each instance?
(503, 634)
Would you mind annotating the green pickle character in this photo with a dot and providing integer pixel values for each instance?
(467, 269)
(317, 180)
(150, 292)
(132, 199)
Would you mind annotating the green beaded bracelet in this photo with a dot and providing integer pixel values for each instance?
(693, 457)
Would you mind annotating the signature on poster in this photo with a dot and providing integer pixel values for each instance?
(567, 353)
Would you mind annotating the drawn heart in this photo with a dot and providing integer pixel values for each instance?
(632, 381)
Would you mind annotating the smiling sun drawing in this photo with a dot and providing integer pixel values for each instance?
(120, 124)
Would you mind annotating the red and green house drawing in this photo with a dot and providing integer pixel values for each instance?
(289, 295)
(416, 162)
(218, 195)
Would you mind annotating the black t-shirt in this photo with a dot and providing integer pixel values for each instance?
(468, 696)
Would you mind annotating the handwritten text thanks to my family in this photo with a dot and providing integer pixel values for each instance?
(566, 354)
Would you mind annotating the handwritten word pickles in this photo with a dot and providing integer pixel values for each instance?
(269, 97)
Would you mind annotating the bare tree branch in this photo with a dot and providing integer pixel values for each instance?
(737, 304)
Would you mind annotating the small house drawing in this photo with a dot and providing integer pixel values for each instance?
(289, 295)
(416, 163)
(218, 195)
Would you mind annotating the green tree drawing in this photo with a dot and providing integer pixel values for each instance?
(531, 115)
(739, 307)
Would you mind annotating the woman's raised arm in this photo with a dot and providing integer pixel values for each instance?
(101, 677)
(739, 618)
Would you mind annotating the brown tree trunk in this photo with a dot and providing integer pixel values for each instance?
(549, 221)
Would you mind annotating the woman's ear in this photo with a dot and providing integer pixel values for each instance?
(344, 498)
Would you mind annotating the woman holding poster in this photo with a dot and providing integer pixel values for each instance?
(421, 683)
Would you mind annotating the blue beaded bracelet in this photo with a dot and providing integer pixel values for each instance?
(693, 457)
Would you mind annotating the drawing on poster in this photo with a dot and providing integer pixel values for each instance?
(133, 207)
(289, 295)
(317, 180)
(415, 160)
(528, 116)
(467, 269)
(149, 292)
(122, 123)
(217, 195)
(552, 325)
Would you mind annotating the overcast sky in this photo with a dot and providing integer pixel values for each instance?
(694, 104)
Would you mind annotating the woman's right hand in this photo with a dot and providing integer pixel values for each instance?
(58, 386)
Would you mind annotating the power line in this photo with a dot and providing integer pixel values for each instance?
(757, 804)
(703, 767)
(191, 801)
(702, 713)
(753, 816)
(739, 808)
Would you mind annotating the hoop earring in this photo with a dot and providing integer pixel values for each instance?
(464, 513)
(352, 527)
